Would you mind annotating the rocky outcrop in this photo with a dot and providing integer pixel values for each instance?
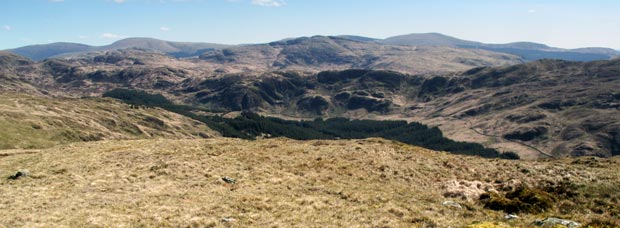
(526, 133)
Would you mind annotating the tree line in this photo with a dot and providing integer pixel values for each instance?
(251, 125)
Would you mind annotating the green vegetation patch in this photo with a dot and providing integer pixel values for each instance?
(521, 200)
(250, 126)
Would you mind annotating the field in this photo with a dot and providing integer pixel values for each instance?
(222, 182)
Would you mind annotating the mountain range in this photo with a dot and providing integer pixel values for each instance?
(544, 108)
(528, 51)
(177, 49)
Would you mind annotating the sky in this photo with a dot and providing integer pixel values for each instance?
(559, 23)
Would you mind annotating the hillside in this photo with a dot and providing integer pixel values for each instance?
(12, 78)
(562, 108)
(285, 183)
(29, 122)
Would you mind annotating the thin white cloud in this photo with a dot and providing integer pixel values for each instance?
(110, 36)
(119, 1)
(7, 28)
(81, 37)
(164, 29)
(531, 11)
(270, 3)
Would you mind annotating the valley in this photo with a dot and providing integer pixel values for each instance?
(337, 130)
(545, 108)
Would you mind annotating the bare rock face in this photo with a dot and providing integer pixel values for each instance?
(316, 105)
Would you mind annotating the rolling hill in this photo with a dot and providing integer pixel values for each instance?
(527, 50)
(34, 122)
(176, 49)
(320, 53)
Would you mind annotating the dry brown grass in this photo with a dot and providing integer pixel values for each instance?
(37, 122)
(279, 183)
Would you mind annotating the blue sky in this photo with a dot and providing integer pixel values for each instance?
(561, 23)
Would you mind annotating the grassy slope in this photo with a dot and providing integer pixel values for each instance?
(280, 183)
(35, 122)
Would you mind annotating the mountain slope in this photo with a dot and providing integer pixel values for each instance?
(527, 50)
(12, 77)
(563, 108)
(279, 182)
(36, 122)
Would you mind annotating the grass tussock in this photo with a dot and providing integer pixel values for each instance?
(521, 200)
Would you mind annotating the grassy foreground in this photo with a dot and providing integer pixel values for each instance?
(284, 183)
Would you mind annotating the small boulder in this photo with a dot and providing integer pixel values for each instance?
(510, 217)
(229, 180)
(552, 222)
(452, 204)
(228, 220)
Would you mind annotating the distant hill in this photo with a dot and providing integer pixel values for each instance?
(43, 51)
(320, 53)
(176, 49)
(10, 59)
(359, 38)
(529, 51)
(428, 39)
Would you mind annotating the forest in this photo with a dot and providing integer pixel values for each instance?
(250, 126)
